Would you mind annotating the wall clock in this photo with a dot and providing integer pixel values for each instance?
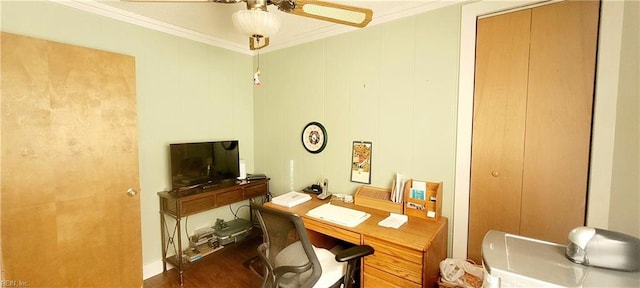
(314, 137)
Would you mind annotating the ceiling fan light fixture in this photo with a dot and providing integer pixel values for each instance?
(256, 23)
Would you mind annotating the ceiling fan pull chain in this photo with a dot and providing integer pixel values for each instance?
(256, 80)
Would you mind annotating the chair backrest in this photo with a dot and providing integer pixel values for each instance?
(289, 257)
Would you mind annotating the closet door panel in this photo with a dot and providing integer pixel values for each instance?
(558, 121)
(498, 126)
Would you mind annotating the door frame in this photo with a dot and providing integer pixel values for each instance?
(603, 130)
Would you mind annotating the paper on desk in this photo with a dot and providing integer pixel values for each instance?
(291, 199)
(394, 220)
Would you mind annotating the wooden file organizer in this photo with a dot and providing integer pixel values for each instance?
(432, 201)
(378, 198)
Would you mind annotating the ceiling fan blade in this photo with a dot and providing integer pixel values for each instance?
(333, 12)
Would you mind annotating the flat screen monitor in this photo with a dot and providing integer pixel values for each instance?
(204, 163)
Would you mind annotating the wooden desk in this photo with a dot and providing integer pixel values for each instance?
(406, 257)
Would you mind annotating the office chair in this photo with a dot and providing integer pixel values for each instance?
(291, 261)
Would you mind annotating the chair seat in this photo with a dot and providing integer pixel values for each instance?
(332, 270)
(292, 261)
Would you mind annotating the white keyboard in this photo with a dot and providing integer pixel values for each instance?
(339, 215)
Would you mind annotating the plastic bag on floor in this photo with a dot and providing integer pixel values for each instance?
(460, 273)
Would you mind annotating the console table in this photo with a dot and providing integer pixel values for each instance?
(179, 204)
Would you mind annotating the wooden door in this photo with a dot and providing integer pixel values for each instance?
(559, 110)
(502, 55)
(532, 122)
(69, 155)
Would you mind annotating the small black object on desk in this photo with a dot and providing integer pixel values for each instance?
(315, 189)
(256, 177)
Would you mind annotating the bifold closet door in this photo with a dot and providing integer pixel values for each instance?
(532, 122)
(502, 56)
(558, 124)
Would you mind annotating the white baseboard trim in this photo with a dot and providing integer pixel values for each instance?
(153, 269)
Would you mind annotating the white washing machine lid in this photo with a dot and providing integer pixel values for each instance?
(533, 262)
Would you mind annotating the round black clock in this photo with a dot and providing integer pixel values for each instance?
(314, 137)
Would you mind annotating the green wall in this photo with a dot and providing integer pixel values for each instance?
(625, 190)
(393, 84)
(186, 91)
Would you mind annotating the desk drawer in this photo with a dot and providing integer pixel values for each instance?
(396, 260)
(395, 266)
(169, 205)
(394, 250)
(198, 205)
(232, 196)
(376, 278)
(333, 231)
(255, 191)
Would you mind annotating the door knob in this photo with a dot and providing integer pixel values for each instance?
(495, 173)
(131, 192)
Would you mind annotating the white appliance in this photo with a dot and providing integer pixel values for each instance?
(516, 261)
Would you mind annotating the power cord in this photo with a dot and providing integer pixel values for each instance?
(235, 214)
(186, 227)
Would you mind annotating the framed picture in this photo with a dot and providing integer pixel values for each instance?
(361, 162)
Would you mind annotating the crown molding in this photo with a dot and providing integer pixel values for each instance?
(94, 7)
(98, 8)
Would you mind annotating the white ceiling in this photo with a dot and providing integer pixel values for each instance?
(210, 22)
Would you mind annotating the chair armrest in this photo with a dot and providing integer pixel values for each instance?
(354, 252)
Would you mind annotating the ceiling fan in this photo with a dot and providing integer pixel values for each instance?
(258, 23)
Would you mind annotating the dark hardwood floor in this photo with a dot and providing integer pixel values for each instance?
(225, 268)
